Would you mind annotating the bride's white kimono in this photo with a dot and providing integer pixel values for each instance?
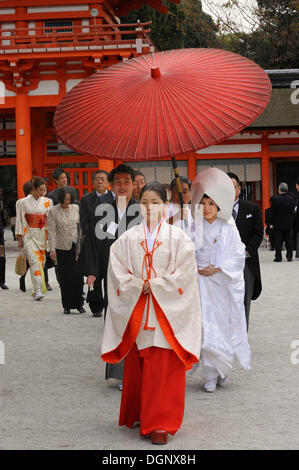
(222, 299)
(170, 316)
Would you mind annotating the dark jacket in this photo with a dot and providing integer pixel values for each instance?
(1, 231)
(88, 206)
(98, 236)
(251, 228)
(268, 217)
(282, 209)
(295, 195)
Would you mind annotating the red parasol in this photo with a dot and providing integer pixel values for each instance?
(162, 104)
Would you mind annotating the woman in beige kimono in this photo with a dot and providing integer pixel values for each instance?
(153, 318)
(32, 233)
(64, 238)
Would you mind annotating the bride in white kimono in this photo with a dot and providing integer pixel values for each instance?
(153, 318)
(220, 263)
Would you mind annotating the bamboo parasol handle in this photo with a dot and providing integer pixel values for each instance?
(178, 180)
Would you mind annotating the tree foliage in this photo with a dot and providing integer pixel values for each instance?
(185, 25)
(271, 35)
(278, 32)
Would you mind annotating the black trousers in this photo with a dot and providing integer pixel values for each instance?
(280, 237)
(2, 269)
(71, 282)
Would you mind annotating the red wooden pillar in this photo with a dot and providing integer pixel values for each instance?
(105, 164)
(192, 167)
(38, 140)
(23, 141)
(265, 164)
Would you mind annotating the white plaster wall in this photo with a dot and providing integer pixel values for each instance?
(231, 149)
(46, 87)
(57, 8)
(71, 83)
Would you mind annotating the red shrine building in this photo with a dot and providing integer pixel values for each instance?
(48, 46)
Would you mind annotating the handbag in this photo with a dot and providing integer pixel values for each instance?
(21, 264)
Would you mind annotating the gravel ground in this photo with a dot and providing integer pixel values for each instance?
(53, 394)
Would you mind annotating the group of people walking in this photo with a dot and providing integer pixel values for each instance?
(174, 285)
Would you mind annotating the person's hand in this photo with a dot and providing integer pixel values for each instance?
(90, 280)
(208, 270)
(20, 242)
(53, 256)
(146, 288)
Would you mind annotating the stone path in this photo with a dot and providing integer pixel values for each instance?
(53, 394)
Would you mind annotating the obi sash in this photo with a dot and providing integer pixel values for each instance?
(36, 220)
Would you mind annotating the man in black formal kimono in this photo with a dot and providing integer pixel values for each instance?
(89, 203)
(251, 228)
(116, 212)
(282, 210)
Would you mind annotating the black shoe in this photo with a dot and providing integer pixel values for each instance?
(22, 284)
(48, 287)
(81, 310)
(3, 286)
(290, 259)
(97, 314)
(66, 311)
(277, 260)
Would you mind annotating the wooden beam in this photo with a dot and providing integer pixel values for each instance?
(284, 154)
(8, 161)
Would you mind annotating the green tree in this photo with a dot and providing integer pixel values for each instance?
(278, 32)
(185, 25)
(271, 37)
(199, 28)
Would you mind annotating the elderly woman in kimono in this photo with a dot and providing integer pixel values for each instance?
(32, 233)
(220, 263)
(64, 239)
(153, 318)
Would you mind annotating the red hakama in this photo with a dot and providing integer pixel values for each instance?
(153, 390)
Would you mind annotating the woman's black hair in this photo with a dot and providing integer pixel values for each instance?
(27, 188)
(205, 196)
(157, 188)
(62, 192)
(37, 181)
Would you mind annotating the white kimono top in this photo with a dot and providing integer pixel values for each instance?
(168, 317)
